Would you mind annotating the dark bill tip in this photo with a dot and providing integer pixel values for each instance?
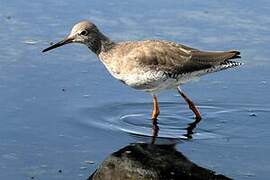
(61, 43)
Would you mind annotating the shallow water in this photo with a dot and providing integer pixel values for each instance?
(62, 114)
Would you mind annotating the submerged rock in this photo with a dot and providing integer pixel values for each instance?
(151, 162)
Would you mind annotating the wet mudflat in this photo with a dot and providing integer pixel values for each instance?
(62, 114)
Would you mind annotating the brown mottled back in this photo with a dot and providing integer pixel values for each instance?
(165, 56)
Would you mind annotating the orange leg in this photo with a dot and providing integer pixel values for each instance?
(155, 111)
(191, 105)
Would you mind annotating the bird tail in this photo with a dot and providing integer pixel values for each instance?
(213, 58)
(234, 54)
(216, 61)
(227, 62)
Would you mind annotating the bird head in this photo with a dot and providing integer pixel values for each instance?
(84, 32)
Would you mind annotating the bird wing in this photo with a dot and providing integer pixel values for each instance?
(177, 59)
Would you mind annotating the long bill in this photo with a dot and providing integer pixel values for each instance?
(61, 43)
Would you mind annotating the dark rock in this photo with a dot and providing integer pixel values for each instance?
(149, 161)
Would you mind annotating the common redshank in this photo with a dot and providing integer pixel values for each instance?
(150, 65)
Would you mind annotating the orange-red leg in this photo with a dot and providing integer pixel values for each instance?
(155, 111)
(190, 104)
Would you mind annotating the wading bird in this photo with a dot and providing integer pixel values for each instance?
(150, 65)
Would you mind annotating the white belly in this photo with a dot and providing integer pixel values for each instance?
(152, 81)
(155, 81)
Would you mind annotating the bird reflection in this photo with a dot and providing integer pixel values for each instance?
(190, 128)
(155, 130)
(150, 161)
(188, 134)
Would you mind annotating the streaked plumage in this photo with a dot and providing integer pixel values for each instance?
(150, 65)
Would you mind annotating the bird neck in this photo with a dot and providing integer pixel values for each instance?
(100, 43)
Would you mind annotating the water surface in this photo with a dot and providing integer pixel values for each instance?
(62, 113)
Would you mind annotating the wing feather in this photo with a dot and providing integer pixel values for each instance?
(177, 59)
(173, 58)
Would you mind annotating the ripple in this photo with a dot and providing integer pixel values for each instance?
(174, 121)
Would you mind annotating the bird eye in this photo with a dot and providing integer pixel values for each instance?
(84, 33)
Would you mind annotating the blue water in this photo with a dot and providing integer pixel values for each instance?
(62, 108)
